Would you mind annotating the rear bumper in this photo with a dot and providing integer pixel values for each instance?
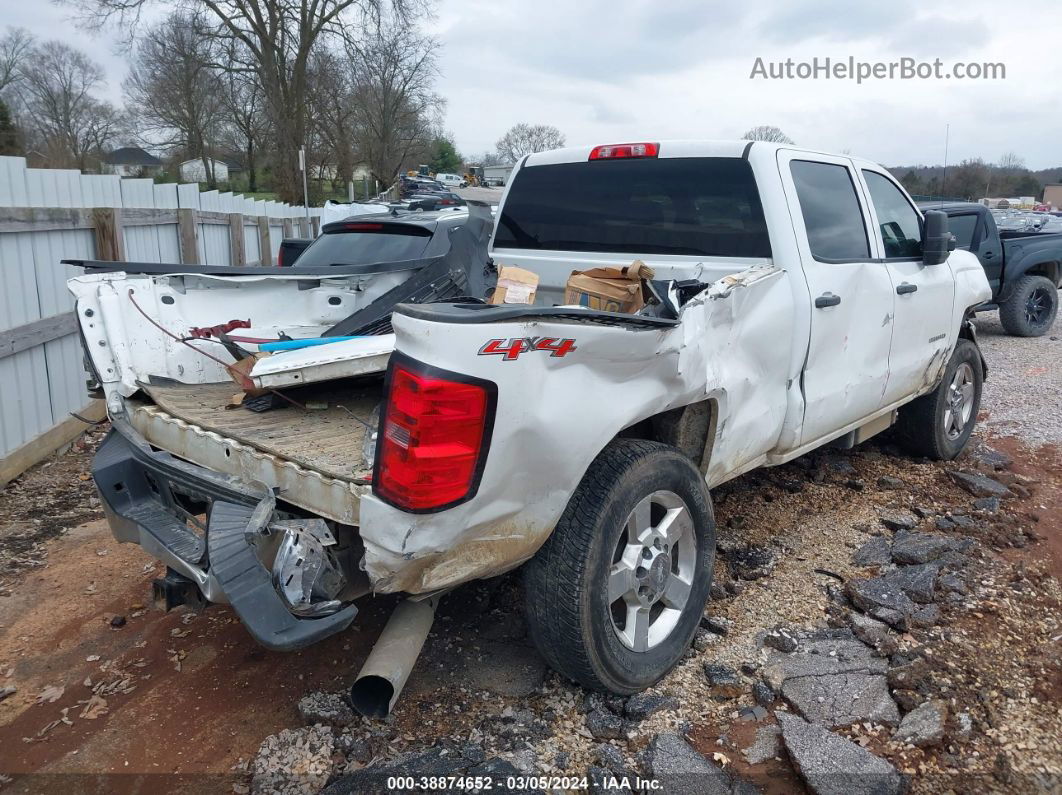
(137, 487)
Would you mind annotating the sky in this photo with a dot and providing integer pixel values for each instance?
(633, 70)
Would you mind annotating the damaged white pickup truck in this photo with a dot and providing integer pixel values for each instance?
(798, 299)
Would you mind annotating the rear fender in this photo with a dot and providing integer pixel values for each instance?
(557, 410)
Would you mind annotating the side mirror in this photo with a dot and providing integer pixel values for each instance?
(937, 241)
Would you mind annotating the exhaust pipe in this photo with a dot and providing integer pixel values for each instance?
(387, 668)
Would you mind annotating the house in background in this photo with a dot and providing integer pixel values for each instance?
(131, 161)
(194, 170)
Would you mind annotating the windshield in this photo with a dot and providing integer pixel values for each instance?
(385, 243)
(703, 206)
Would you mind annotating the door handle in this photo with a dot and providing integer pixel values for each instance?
(988, 255)
(906, 288)
(827, 299)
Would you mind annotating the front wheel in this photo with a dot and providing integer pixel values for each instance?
(938, 425)
(1031, 308)
(616, 593)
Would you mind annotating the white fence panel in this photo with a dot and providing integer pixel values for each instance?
(169, 235)
(13, 182)
(41, 385)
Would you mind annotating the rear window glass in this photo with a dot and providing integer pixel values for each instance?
(706, 207)
(390, 244)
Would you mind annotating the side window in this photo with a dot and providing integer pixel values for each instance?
(963, 227)
(831, 211)
(900, 223)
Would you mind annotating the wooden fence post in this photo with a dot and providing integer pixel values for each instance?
(265, 244)
(315, 221)
(237, 243)
(289, 228)
(187, 234)
(304, 227)
(107, 222)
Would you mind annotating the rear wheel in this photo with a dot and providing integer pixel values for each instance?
(938, 425)
(616, 593)
(1031, 308)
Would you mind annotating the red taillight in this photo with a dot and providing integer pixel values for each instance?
(364, 227)
(433, 438)
(618, 151)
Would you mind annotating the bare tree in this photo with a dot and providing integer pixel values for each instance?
(332, 96)
(280, 37)
(55, 90)
(245, 122)
(15, 45)
(394, 71)
(175, 91)
(1010, 161)
(767, 132)
(524, 139)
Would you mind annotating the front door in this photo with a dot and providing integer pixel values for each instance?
(924, 293)
(850, 291)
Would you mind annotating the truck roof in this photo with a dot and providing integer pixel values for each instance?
(678, 148)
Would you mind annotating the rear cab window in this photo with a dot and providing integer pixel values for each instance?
(365, 243)
(699, 206)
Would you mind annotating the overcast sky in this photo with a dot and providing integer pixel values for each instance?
(644, 70)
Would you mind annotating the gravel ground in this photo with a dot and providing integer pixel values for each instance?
(1024, 389)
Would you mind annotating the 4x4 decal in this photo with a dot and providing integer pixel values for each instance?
(511, 349)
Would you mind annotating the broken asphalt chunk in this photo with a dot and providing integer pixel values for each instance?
(924, 725)
(925, 547)
(979, 485)
(680, 768)
(832, 765)
(876, 552)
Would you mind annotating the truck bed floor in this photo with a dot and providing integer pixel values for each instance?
(327, 440)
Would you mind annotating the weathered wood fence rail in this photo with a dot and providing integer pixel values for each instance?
(47, 215)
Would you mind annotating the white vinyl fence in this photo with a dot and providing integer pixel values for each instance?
(47, 215)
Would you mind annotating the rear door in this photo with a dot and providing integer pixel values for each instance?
(849, 289)
(924, 293)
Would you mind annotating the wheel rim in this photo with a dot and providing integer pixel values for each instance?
(1038, 307)
(960, 403)
(652, 570)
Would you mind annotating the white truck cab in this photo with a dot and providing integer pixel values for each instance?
(801, 299)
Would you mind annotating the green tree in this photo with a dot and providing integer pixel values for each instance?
(8, 132)
(444, 156)
(912, 182)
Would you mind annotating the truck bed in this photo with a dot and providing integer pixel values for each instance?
(327, 440)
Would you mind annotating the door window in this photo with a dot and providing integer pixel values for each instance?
(899, 222)
(830, 207)
(963, 227)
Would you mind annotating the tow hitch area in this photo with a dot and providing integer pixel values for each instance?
(175, 590)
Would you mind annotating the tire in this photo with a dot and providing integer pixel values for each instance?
(938, 425)
(1031, 308)
(579, 631)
